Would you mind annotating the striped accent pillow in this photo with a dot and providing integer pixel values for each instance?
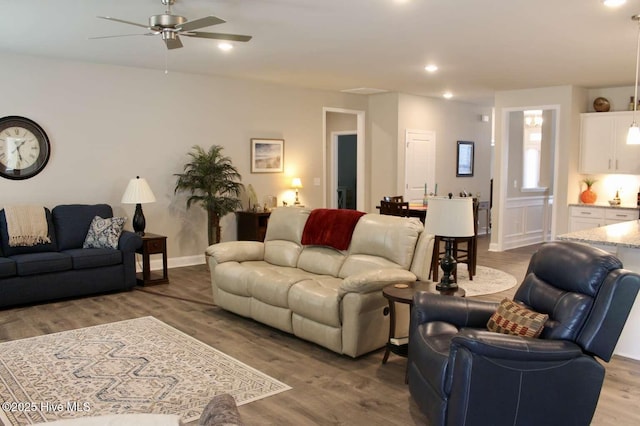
(511, 318)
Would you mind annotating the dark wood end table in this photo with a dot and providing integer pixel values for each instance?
(153, 244)
(403, 293)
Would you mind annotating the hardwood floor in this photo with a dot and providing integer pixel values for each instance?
(328, 389)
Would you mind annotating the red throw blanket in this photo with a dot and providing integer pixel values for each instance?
(330, 227)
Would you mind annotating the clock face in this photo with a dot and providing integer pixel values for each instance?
(24, 148)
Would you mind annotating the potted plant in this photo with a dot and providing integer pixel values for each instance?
(213, 183)
(588, 196)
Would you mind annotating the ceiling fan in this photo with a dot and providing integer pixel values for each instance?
(170, 27)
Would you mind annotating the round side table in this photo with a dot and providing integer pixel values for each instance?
(403, 293)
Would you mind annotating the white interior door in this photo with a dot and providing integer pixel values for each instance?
(420, 164)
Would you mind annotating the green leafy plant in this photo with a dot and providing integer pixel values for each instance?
(589, 181)
(213, 183)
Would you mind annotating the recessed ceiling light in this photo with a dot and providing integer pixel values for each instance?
(431, 68)
(225, 46)
(447, 95)
(614, 3)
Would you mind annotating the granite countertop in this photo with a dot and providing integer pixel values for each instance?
(624, 234)
(622, 207)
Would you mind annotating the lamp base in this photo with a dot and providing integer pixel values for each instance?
(139, 221)
(448, 264)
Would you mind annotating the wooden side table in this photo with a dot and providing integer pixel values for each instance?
(403, 293)
(252, 226)
(153, 244)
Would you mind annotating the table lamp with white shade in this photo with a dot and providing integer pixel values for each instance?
(449, 218)
(296, 184)
(138, 192)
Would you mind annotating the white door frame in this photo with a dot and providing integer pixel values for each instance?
(328, 164)
(504, 173)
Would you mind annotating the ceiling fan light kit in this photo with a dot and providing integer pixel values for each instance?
(170, 27)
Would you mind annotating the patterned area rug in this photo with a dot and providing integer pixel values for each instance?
(486, 281)
(135, 366)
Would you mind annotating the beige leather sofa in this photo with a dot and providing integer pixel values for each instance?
(330, 297)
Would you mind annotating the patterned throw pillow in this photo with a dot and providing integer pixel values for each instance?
(511, 318)
(104, 233)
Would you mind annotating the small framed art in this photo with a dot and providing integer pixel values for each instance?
(267, 155)
(464, 159)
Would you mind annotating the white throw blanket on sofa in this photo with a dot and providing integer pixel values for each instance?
(26, 225)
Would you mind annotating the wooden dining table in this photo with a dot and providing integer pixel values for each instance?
(416, 210)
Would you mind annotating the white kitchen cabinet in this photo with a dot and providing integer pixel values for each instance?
(587, 217)
(612, 216)
(603, 143)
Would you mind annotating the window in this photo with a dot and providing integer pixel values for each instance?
(532, 142)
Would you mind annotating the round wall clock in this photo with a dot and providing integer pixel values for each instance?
(24, 148)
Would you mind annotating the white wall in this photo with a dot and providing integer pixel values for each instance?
(392, 114)
(452, 122)
(108, 124)
(571, 101)
(382, 147)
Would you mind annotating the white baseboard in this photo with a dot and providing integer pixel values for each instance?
(172, 262)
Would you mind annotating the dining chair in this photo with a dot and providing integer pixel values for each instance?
(394, 198)
(394, 208)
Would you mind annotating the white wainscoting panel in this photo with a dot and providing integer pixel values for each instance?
(525, 221)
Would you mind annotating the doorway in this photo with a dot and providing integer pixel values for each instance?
(346, 149)
(527, 212)
(339, 122)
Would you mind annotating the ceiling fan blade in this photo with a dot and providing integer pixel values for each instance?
(109, 18)
(218, 36)
(207, 21)
(174, 43)
(121, 35)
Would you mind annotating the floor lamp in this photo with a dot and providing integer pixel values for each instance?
(449, 218)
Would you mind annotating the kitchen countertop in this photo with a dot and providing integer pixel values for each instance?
(624, 234)
(606, 205)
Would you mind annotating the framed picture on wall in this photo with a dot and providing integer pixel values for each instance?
(267, 155)
(464, 159)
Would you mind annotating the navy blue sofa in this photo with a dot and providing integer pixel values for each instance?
(62, 268)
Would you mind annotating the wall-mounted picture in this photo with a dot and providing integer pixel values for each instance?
(464, 159)
(267, 155)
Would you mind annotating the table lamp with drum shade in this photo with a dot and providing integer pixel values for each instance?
(296, 184)
(449, 218)
(138, 192)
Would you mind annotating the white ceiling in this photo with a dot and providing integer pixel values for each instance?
(480, 46)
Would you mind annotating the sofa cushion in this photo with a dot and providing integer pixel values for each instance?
(104, 232)
(271, 285)
(236, 278)
(321, 260)
(7, 267)
(317, 299)
(94, 257)
(72, 222)
(282, 243)
(41, 263)
(381, 241)
(38, 248)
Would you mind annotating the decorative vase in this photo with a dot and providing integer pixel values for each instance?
(601, 104)
(588, 196)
